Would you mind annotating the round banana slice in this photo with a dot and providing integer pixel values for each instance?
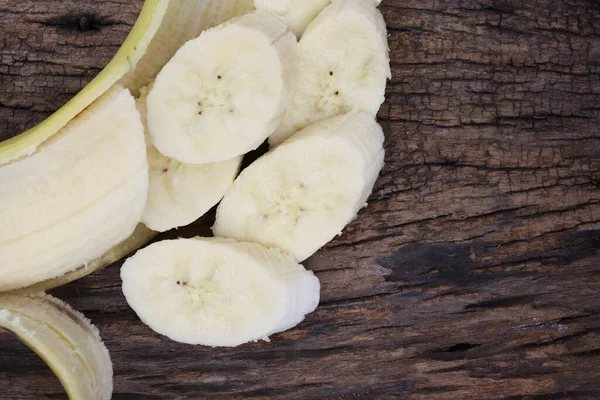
(302, 194)
(217, 292)
(181, 193)
(64, 339)
(225, 92)
(343, 65)
(297, 13)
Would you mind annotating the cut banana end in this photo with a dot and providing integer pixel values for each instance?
(218, 292)
(70, 203)
(225, 92)
(343, 66)
(64, 339)
(181, 193)
(297, 13)
(302, 194)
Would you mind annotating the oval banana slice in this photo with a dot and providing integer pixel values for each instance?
(302, 194)
(67, 342)
(218, 292)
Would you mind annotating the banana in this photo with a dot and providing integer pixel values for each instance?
(301, 194)
(162, 27)
(64, 339)
(225, 92)
(297, 13)
(343, 66)
(70, 203)
(181, 193)
(218, 292)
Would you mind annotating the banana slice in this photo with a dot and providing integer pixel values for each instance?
(217, 292)
(343, 66)
(181, 193)
(72, 202)
(297, 13)
(64, 339)
(302, 194)
(225, 92)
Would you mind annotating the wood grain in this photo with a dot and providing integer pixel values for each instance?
(473, 274)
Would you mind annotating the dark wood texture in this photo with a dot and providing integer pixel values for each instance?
(473, 274)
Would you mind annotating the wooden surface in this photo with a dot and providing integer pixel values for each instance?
(473, 274)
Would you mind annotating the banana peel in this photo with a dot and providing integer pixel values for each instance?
(67, 342)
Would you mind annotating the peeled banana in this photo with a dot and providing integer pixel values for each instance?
(82, 194)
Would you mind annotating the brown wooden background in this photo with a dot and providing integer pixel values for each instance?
(473, 274)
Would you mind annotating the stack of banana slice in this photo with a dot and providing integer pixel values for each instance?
(157, 139)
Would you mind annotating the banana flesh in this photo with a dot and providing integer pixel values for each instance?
(301, 194)
(296, 198)
(298, 14)
(62, 337)
(225, 92)
(218, 292)
(82, 194)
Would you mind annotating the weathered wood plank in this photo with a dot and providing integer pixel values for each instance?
(475, 271)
